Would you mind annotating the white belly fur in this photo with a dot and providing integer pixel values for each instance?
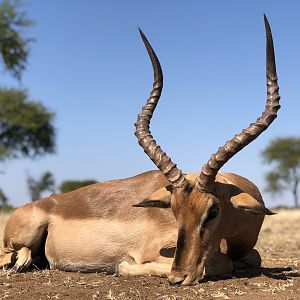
(100, 245)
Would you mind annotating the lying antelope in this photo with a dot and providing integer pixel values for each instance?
(102, 227)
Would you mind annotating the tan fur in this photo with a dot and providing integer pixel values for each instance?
(232, 233)
(97, 228)
(94, 228)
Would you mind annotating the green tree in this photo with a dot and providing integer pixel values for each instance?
(71, 185)
(37, 186)
(284, 154)
(14, 46)
(26, 127)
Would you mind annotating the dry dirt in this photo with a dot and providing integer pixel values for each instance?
(279, 278)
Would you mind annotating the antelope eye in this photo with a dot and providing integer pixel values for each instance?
(212, 213)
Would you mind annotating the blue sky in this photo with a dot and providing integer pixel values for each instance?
(89, 66)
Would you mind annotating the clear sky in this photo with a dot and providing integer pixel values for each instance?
(89, 66)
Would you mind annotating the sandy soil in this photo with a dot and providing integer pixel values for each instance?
(279, 278)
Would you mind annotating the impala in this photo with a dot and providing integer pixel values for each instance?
(190, 225)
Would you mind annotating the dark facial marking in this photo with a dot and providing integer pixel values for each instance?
(180, 244)
(187, 190)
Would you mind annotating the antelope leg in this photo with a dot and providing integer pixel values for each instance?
(149, 268)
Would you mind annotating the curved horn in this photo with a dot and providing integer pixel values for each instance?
(145, 139)
(208, 173)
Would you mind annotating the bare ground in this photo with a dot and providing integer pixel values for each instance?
(279, 278)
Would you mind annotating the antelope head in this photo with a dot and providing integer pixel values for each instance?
(196, 201)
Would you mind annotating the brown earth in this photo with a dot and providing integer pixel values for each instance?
(279, 278)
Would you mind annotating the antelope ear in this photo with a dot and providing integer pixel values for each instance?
(248, 203)
(160, 198)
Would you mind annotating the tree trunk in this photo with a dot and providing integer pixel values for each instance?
(295, 194)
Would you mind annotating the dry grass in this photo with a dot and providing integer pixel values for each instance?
(281, 233)
(3, 219)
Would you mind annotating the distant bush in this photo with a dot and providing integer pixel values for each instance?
(6, 208)
(71, 185)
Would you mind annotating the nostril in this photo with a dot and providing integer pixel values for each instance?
(176, 280)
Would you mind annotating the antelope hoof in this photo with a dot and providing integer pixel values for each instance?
(16, 268)
(23, 260)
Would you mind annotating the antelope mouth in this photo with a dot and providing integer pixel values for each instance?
(176, 280)
(184, 280)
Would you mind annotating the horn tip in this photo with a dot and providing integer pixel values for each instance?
(267, 24)
(145, 41)
(143, 36)
(141, 31)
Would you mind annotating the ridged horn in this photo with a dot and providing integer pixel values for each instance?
(209, 171)
(142, 132)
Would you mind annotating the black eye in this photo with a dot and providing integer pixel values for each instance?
(212, 213)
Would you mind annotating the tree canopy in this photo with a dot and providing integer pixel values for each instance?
(284, 155)
(26, 127)
(71, 185)
(14, 46)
